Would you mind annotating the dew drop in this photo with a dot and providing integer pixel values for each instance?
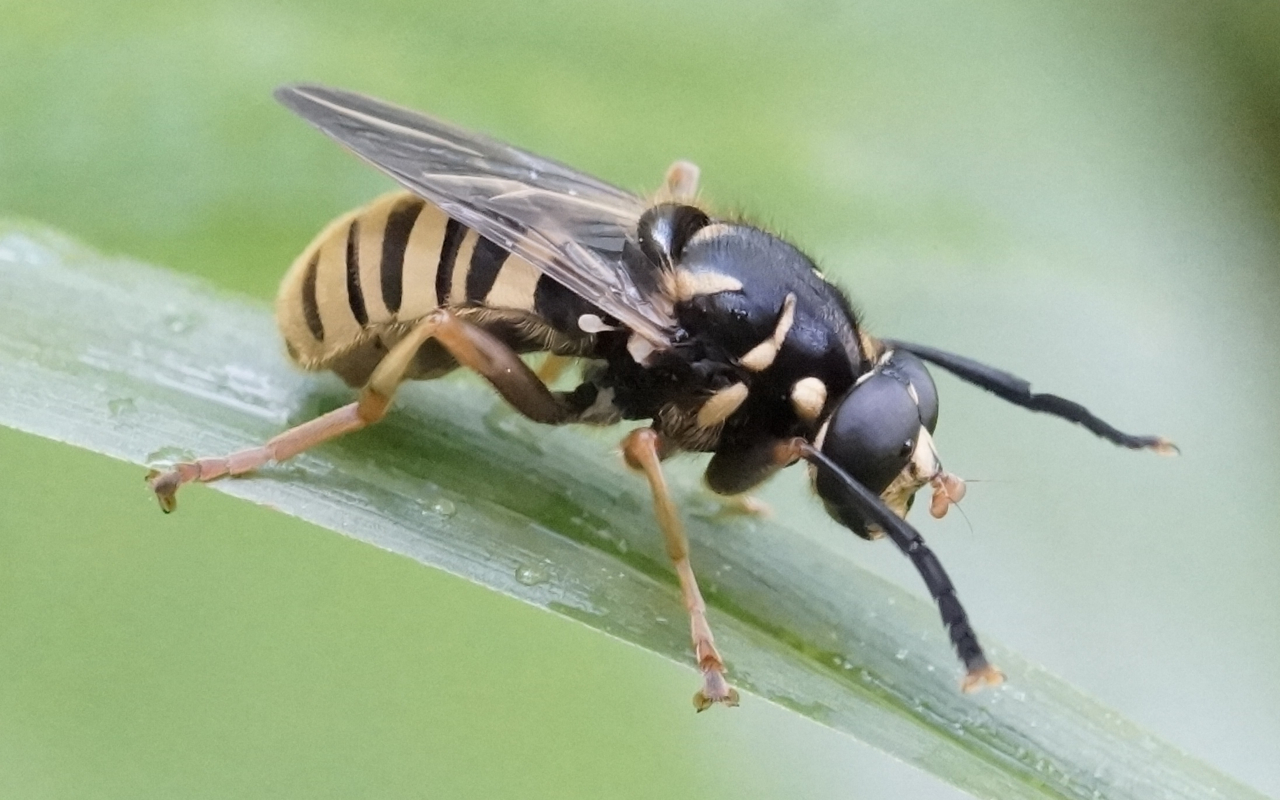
(180, 322)
(503, 423)
(168, 456)
(532, 574)
(622, 546)
(122, 407)
(443, 507)
(901, 654)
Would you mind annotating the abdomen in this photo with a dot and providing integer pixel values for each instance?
(369, 275)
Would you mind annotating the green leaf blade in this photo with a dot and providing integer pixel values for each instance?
(142, 365)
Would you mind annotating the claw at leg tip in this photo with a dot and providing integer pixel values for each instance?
(980, 678)
(160, 483)
(715, 690)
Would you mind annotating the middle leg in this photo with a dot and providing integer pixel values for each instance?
(641, 450)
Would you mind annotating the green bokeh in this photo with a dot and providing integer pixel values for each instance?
(1085, 195)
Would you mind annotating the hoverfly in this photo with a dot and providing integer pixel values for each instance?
(727, 339)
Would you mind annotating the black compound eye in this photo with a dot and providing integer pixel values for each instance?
(872, 433)
(907, 367)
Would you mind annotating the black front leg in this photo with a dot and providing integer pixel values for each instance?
(864, 503)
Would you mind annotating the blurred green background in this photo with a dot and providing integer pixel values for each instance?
(1088, 196)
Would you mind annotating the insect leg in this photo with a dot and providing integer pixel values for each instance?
(734, 471)
(495, 361)
(642, 451)
(1018, 391)
(980, 672)
(552, 367)
(681, 182)
(469, 344)
(375, 397)
(744, 505)
(737, 470)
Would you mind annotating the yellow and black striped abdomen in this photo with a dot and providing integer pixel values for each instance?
(372, 272)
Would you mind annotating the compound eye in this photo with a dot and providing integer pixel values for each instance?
(872, 432)
(908, 367)
(872, 435)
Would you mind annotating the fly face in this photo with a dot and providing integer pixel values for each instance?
(881, 434)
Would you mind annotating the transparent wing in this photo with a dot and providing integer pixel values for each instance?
(571, 226)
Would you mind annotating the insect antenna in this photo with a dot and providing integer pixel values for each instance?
(1010, 387)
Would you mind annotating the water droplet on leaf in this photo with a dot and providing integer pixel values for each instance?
(532, 574)
(180, 322)
(443, 507)
(168, 456)
(121, 407)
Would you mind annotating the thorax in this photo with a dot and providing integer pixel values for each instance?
(765, 346)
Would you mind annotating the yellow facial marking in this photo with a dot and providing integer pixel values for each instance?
(920, 470)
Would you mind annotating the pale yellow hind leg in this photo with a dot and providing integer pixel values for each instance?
(470, 345)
